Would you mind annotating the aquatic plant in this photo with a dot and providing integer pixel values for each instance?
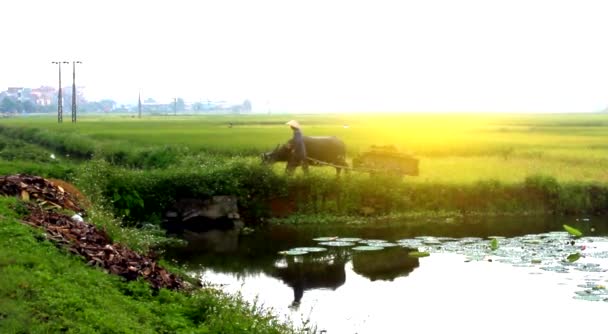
(494, 244)
(573, 231)
(419, 254)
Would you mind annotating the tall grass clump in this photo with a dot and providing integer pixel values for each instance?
(142, 196)
(20, 157)
(80, 146)
(121, 154)
(544, 190)
(73, 144)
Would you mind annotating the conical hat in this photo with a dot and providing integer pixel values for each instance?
(293, 123)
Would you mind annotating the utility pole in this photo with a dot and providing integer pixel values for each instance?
(175, 106)
(139, 105)
(74, 89)
(59, 95)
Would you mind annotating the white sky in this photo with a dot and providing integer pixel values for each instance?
(431, 55)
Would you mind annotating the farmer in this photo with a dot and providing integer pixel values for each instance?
(298, 148)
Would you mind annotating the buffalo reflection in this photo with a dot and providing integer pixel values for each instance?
(386, 264)
(326, 270)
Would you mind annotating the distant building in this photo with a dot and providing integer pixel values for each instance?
(152, 106)
(15, 93)
(220, 107)
(43, 96)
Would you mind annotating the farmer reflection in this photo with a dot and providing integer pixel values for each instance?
(310, 272)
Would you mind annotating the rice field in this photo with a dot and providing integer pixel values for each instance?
(452, 148)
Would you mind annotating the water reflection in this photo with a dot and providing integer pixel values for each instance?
(244, 256)
(326, 270)
(322, 270)
(346, 291)
(386, 264)
(215, 241)
(314, 271)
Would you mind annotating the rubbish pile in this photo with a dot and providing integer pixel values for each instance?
(38, 189)
(96, 247)
(80, 237)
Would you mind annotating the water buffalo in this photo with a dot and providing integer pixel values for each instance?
(323, 150)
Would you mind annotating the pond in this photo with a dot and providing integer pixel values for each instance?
(516, 274)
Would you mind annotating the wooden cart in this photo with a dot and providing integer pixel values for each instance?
(386, 159)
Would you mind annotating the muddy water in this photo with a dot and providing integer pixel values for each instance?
(523, 284)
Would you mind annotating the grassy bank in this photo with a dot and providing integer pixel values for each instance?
(44, 289)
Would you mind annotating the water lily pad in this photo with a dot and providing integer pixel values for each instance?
(336, 243)
(589, 267)
(591, 295)
(470, 240)
(409, 243)
(348, 239)
(591, 298)
(593, 285)
(368, 248)
(557, 269)
(309, 249)
(573, 257)
(372, 241)
(446, 239)
(292, 252)
(475, 257)
(325, 239)
(384, 244)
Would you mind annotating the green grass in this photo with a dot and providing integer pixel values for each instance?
(44, 289)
